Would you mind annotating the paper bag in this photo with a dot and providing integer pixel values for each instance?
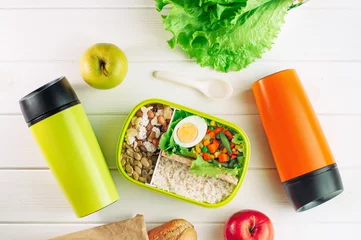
(131, 229)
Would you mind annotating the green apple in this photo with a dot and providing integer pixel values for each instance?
(103, 66)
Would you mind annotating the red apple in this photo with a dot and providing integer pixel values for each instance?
(248, 225)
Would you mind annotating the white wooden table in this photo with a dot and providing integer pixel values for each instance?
(41, 40)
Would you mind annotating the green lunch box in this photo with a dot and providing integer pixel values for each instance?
(127, 161)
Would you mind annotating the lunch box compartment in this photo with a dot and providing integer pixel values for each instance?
(138, 120)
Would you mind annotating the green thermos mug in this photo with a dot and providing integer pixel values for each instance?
(63, 132)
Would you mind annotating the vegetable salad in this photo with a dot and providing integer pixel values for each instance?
(219, 151)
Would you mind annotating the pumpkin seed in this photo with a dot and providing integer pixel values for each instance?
(130, 152)
(123, 161)
(144, 173)
(138, 170)
(129, 169)
(129, 174)
(148, 178)
(137, 156)
(140, 165)
(145, 162)
(151, 171)
(142, 179)
(135, 176)
(142, 148)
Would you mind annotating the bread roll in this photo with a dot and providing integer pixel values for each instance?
(177, 229)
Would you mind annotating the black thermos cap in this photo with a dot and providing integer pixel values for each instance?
(48, 100)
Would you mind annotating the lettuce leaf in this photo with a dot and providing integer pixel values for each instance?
(202, 168)
(167, 142)
(237, 139)
(226, 35)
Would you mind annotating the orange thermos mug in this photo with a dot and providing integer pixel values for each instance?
(300, 150)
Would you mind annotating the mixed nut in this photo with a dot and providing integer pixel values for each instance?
(140, 150)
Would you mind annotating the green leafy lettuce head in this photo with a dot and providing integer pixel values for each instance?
(226, 35)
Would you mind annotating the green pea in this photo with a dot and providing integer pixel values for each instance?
(205, 149)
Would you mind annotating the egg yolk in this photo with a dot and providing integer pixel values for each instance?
(187, 132)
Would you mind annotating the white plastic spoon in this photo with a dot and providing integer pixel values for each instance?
(213, 88)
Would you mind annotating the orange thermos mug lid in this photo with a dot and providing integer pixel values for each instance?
(300, 150)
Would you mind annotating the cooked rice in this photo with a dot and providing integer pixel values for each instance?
(175, 177)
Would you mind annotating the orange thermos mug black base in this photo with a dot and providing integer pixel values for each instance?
(300, 150)
(314, 188)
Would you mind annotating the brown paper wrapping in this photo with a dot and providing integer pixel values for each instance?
(130, 229)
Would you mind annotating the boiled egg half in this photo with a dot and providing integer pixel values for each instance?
(190, 131)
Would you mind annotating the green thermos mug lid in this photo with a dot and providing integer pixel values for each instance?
(47, 100)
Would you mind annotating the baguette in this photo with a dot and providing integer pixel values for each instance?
(177, 229)
(188, 161)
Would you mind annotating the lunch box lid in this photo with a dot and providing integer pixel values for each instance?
(300, 150)
(48, 100)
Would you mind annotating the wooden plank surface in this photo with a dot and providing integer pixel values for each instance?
(33, 196)
(22, 151)
(42, 40)
(67, 33)
(324, 4)
(321, 80)
(284, 231)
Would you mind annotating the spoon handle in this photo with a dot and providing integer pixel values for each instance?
(171, 77)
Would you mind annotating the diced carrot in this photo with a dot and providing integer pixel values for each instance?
(224, 150)
(208, 131)
(235, 152)
(206, 156)
(206, 142)
(223, 157)
(228, 134)
(233, 144)
(217, 130)
(233, 156)
(212, 147)
(215, 141)
(212, 135)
